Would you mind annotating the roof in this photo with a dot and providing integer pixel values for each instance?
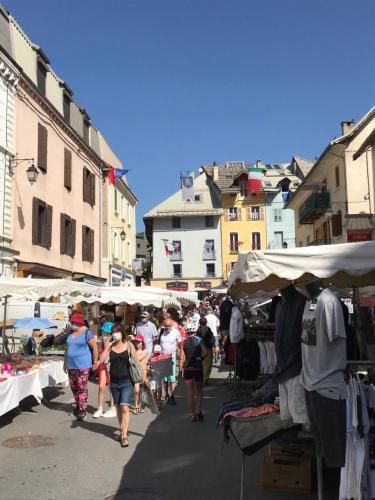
(357, 127)
(304, 165)
(173, 205)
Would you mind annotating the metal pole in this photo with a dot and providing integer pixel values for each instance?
(5, 349)
(242, 475)
(319, 469)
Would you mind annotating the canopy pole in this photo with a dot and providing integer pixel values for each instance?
(4, 346)
(243, 475)
(363, 354)
(319, 470)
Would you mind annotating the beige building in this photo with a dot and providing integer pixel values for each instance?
(56, 171)
(119, 232)
(335, 203)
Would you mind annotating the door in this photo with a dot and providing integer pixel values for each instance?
(278, 238)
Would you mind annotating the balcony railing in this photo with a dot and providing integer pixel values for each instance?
(210, 275)
(233, 249)
(209, 255)
(176, 256)
(314, 207)
(176, 275)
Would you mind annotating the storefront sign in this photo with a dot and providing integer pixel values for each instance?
(180, 286)
(203, 284)
(359, 235)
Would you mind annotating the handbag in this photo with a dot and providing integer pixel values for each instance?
(148, 400)
(135, 371)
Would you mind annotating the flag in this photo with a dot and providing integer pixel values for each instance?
(187, 188)
(166, 247)
(115, 173)
(254, 180)
(286, 196)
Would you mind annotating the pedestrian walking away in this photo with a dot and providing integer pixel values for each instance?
(119, 351)
(191, 362)
(205, 333)
(81, 354)
(104, 377)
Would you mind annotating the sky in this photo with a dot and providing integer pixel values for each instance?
(174, 84)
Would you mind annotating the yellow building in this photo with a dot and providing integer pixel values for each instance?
(243, 223)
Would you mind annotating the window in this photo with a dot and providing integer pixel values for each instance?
(176, 252)
(122, 208)
(337, 176)
(277, 215)
(209, 221)
(86, 128)
(255, 240)
(278, 239)
(128, 213)
(42, 223)
(67, 169)
(337, 224)
(233, 214)
(197, 198)
(67, 235)
(66, 107)
(87, 244)
(233, 242)
(115, 200)
(88, 186)
(41, 77)
(307, 241)
(177, 270)
(138, 245)
(243, 189)
(176, 222)
(42, 148)
(210, 270)
(253, 213)
(209, 248)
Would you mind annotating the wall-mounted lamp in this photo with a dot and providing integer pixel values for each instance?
(32, 172)
(122, 234)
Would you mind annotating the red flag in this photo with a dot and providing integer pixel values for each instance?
(166, 247)
(112, 176)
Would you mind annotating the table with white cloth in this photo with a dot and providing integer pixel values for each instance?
(16, 388)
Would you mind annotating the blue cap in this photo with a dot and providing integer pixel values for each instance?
(107, 327)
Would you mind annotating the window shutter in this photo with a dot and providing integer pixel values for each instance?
(72, 235)
(337, 224)
(35, 229)
(261, 213)
(239, 213)
(91, 245)
(42, 147)
(48, 233)
(92, 189)
(226, 214)
(67, 168)
(63, 242)
(84, 243)
(229, 267)
(248, 213)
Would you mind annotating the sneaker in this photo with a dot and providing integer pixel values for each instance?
(111, 413)
(99, 413)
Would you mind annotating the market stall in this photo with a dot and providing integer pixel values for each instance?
(319, 315)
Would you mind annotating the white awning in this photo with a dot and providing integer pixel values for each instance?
(344, 265)
(35, 289)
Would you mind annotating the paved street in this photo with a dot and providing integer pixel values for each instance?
(169, 458)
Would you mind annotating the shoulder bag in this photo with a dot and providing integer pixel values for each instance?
(135, 371)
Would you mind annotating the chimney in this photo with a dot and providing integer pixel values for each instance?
(215, 173)
(346, 127)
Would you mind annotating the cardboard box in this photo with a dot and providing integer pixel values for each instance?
(299, 449)
(286, 473)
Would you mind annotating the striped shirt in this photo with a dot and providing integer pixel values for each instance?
(149, 331)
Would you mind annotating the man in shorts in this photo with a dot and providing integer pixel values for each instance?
(170, 341)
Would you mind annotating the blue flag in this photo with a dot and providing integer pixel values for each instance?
(120, 172)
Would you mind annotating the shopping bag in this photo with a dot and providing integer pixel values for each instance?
(148, 400)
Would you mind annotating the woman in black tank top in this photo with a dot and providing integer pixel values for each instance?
(121, 385)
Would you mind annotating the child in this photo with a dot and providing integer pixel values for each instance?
(140, 347)
(156, 381)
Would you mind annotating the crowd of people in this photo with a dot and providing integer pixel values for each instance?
(192, 337)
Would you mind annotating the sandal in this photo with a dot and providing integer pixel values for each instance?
(141, 409)
(124, 441)
(136, 410)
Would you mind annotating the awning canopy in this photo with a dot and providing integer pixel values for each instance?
(343, 265)
(35, 289)
(181, 295)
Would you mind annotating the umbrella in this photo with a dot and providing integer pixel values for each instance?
(33, 323)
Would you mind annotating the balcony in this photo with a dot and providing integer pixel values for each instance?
(210, 274)
(233, 249)
(209, 255)
(176, 275)
(176, 257)
(314, 207)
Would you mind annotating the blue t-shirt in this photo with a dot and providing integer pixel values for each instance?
(78, 356)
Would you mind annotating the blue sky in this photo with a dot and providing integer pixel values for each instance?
(173, 84)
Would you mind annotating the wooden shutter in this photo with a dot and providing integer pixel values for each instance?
(248, 213)
(239, 213)
(261, 212)
(67, 168)
(337, 224)
(92, 189)
(84, 243)
(42, 147)
(63, 238)
(229, 268)
(72, 246)
(48, 228)
(226, 214)
(35, 228)
(91, 245)
(84, 184)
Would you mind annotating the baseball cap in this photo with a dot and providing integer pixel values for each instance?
(77, 318)
(139, 337)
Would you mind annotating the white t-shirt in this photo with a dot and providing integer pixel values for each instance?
(236, 332)
(169, 340)
(213, 323)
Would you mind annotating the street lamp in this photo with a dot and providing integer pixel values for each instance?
(32, 172)
(122, 235)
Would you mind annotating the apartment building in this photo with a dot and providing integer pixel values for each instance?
(335, 202)
(186, 240)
